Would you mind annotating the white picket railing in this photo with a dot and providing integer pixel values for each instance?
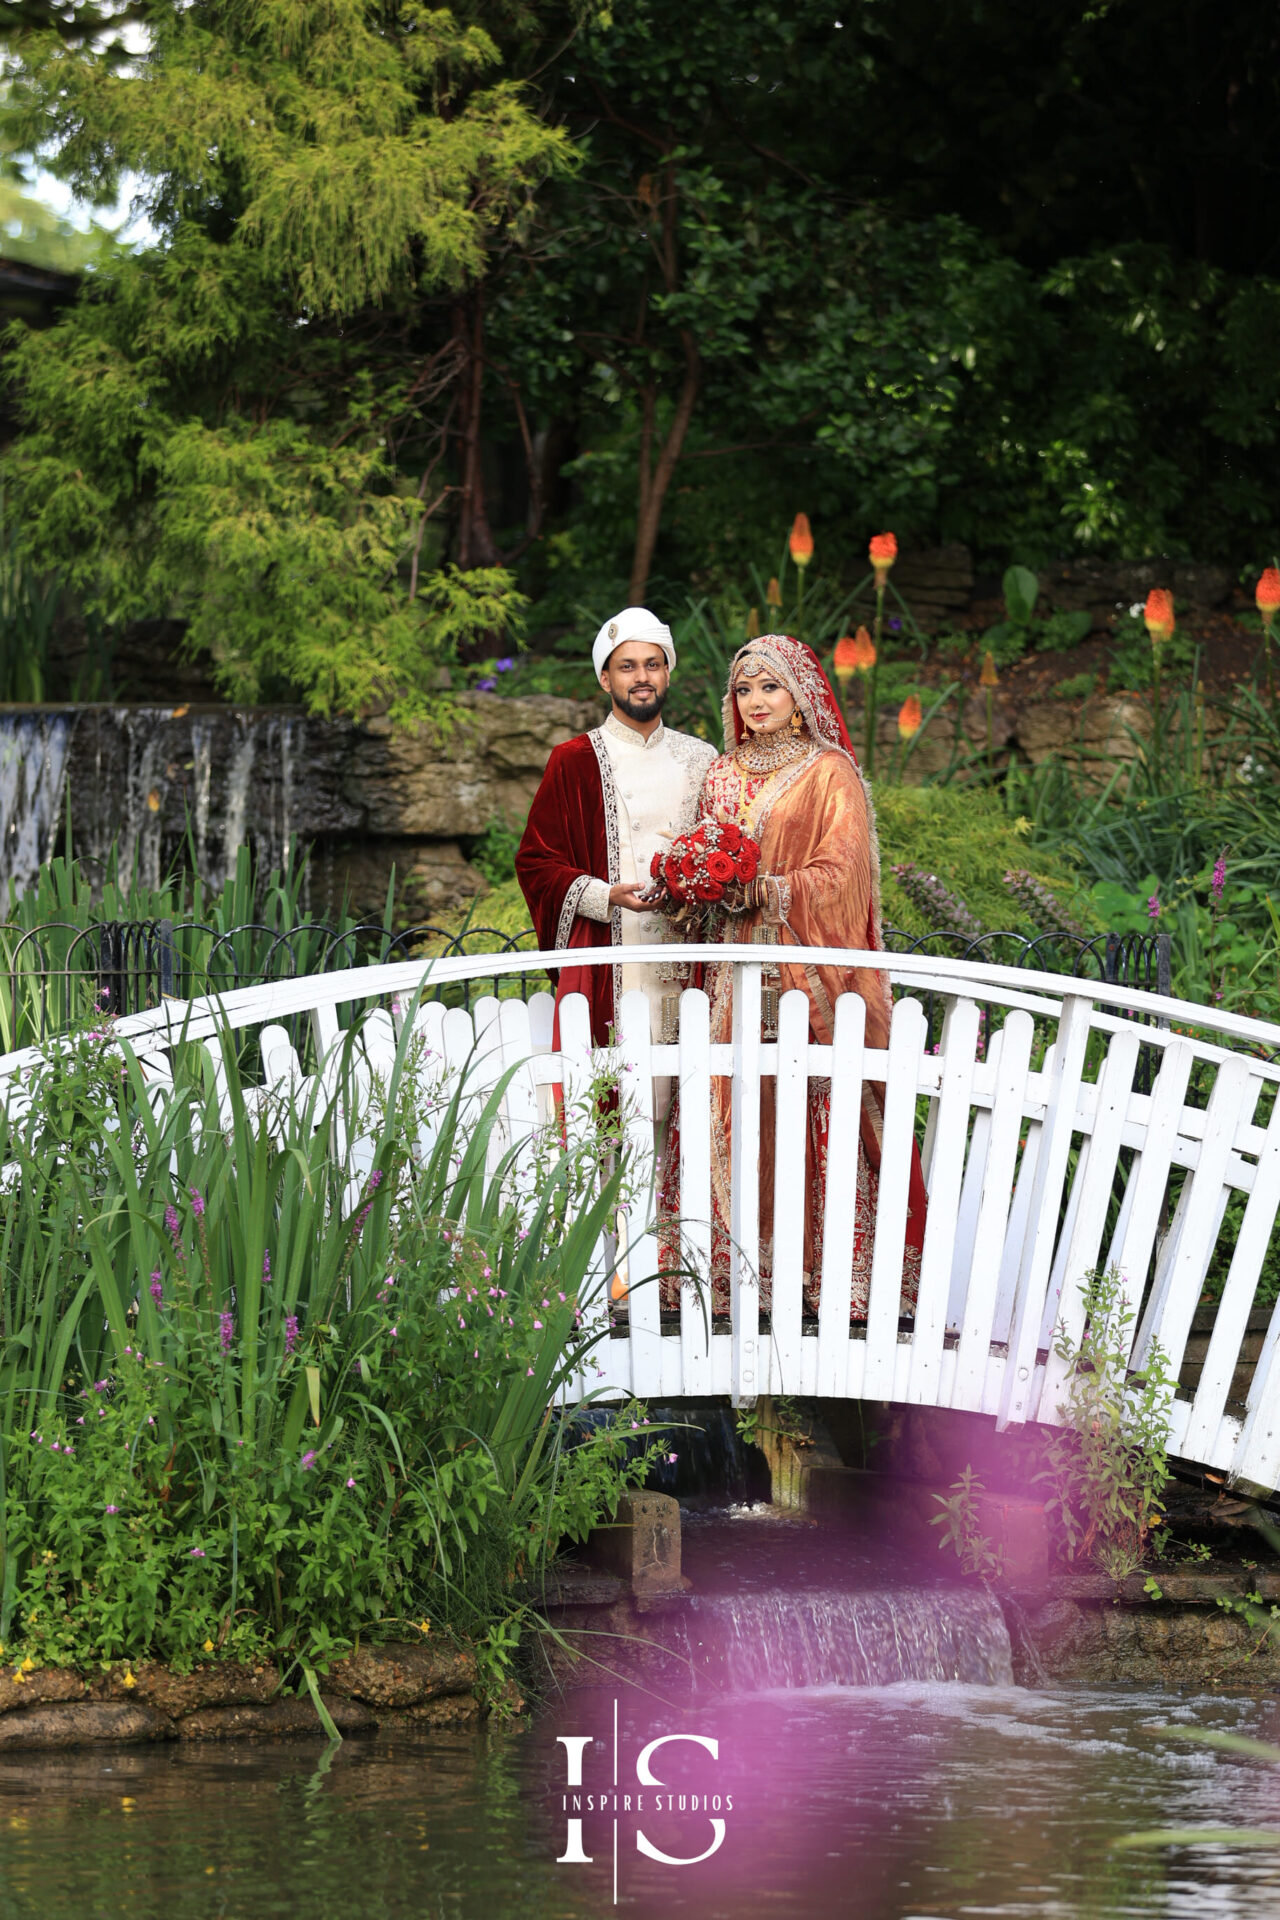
(1021, 1167)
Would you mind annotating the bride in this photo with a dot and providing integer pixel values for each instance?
(789, 778)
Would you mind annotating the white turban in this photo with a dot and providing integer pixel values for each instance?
(633, 623)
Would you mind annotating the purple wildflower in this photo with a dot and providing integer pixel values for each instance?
(290, 1332)
(196, 1553)
(197, 1201)
(1153, 907)
(308, 1461)
(111, 1509)
(485, 686)
(671, 1458)
(226, 1331)
(157, 1288)
(503, 666)
(172, 1225)
(351, 1483)
(266, 1269)
(1219, 880)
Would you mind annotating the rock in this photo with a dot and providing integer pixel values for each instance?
(431, 876)
(412, 782)
(401, 1674)
(278, 1718)
(223, 1684)
(571, 1585)
(83, 1724)
(643, 1543)
(451, 1710)
(46, 1684)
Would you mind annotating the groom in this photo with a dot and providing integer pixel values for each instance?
(608, 801)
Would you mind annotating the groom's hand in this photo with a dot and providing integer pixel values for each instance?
(633, 898)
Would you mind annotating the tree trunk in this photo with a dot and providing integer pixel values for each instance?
(475, 544)
(656, 479)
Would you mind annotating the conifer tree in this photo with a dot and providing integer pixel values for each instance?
(242, 424)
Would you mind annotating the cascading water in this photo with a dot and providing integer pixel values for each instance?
(33, 761)
(744, 1643)
(144, 780)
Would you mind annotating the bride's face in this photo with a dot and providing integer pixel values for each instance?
(763, 702)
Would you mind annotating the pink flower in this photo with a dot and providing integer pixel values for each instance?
(1153, 907)
(1219, 880)
(197, 1201)
(537, 1326)
(157, 1288)
(290, 1332)
(196, 1553)
(308, 1461)
(351, 1483)
(226, 1331)
(111, 1509)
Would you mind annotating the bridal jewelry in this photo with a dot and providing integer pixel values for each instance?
(763, 935)
(771, 752)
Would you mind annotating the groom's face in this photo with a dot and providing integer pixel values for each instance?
(636, 678)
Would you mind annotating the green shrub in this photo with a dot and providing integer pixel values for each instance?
(966, 837)
(264, 1393)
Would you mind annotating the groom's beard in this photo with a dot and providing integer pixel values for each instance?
(642, 709)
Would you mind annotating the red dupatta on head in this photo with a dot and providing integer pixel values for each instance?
(800, 672)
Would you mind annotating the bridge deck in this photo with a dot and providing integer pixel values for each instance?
(1064, 1125)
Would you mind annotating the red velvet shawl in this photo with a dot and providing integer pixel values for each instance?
(564, 845)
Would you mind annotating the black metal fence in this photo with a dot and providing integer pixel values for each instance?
(56, 973)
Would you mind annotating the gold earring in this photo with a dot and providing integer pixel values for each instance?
(797, 720)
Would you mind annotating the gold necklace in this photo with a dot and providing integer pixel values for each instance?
(770, 756)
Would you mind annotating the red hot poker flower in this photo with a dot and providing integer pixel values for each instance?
(801, 541)
(1267, 595)
(883, 549)
(1158, 614)
(909, 717)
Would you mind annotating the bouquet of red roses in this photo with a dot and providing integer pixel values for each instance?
(705, 870)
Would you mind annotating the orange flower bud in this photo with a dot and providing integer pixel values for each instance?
(753, 624)
(883, 549)
(909, 717)
(801, 540)
(845, 661)
(1158, 614)
(773, 593)
(861, 653)
(1268, 595)
(988, 677)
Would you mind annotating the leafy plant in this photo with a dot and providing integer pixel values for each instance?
(1107, 1464)
(962, 1518)
(281, 1373)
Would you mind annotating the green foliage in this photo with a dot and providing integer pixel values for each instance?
(257, 1396)
(968, 839)
(961, 1516)
(207, 436)
(1107, 1464)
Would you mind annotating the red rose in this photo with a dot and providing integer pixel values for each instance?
(689, 866)
(748, 860)
(698, 838)
(731, 837)
(671, 871)
(720, 866)
(655, 867)
(708, 890)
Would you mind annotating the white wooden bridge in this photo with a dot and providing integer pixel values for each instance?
(1044, 1156)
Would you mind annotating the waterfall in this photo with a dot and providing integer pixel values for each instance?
(753, 1641)
(235, 804)
(33, 761)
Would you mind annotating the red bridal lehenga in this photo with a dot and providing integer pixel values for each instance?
(801, 795)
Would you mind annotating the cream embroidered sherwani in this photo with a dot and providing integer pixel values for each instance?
(651, 789)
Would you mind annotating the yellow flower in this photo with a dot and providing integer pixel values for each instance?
(128, 1680)
(28, 1665)
(19, 1677)
(208, 1646)
(424, 1626)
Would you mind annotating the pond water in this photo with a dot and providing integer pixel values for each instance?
(926, 1796)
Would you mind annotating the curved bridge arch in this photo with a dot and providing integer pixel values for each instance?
(1087, 1126)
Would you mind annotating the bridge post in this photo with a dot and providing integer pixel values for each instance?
(744, 1222)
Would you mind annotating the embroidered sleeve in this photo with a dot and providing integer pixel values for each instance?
(569, 907)
(593, 902)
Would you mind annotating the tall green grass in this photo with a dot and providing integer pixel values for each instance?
(276, 1375)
